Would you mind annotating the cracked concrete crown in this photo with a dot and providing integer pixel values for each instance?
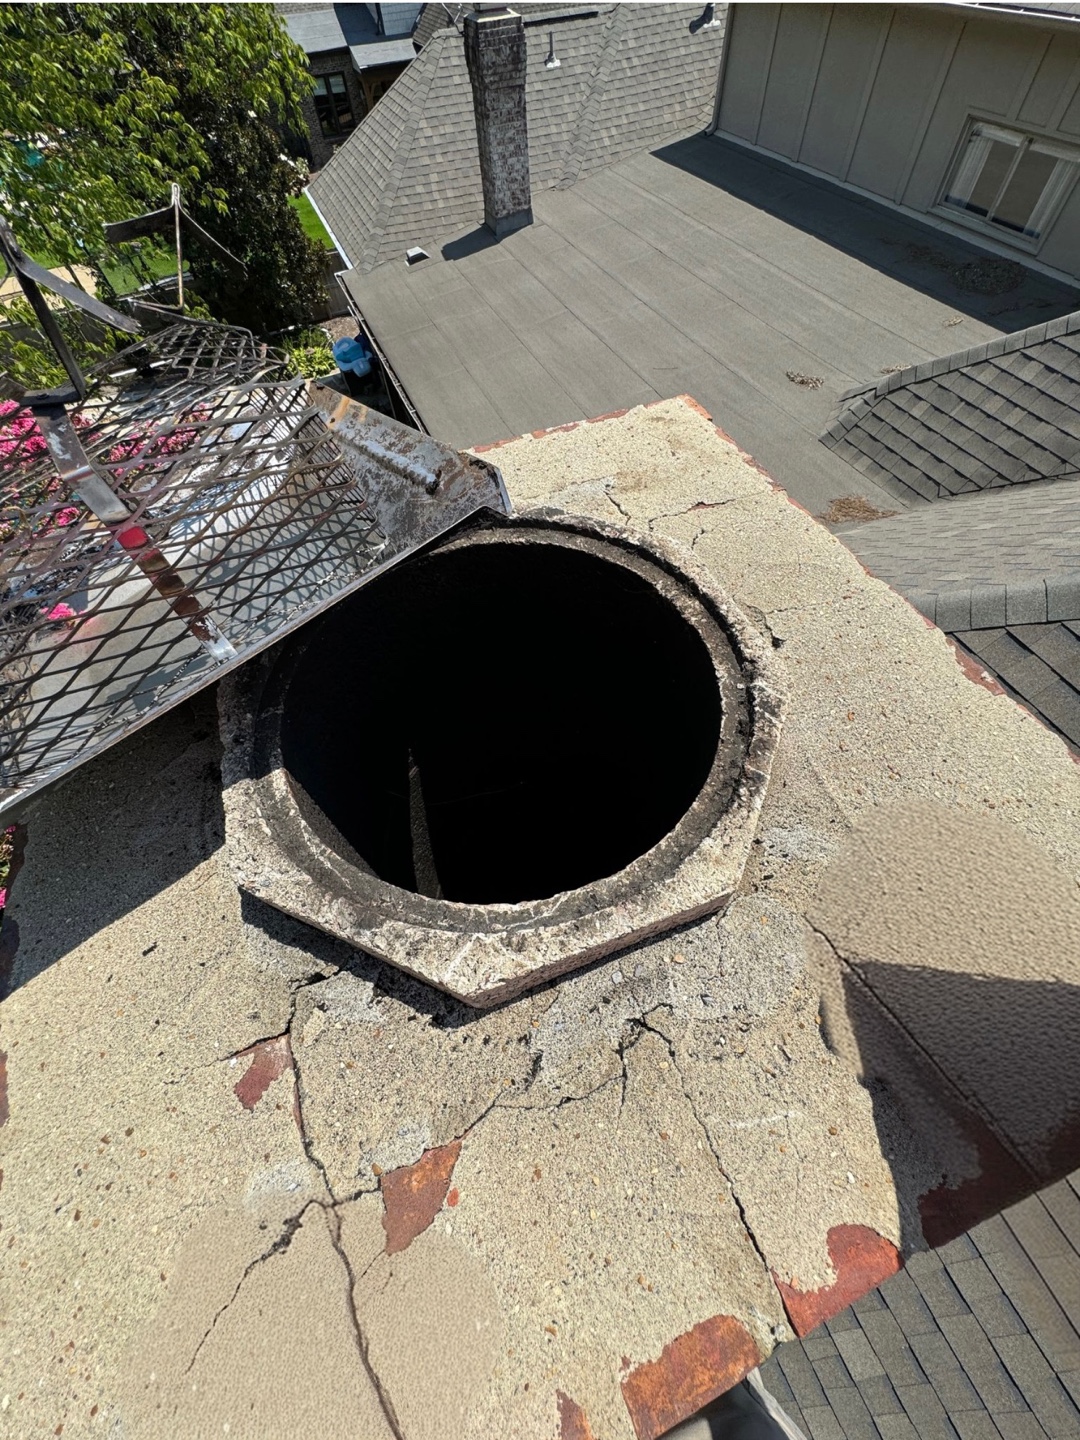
(485, 954)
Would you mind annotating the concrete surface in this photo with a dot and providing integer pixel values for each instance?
(254, 1180)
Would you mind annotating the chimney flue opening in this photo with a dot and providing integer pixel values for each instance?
(501, 723)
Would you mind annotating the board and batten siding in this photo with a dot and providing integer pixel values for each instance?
(879, 96)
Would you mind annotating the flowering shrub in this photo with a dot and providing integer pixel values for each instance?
(7, 854)
(22, 444)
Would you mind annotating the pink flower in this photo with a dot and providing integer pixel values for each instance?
(3, 897)
(61, 612)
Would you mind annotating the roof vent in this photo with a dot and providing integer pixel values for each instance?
(707, 20)
(552, 62)
(415, 254)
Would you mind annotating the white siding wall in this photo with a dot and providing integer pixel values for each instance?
(879, 95)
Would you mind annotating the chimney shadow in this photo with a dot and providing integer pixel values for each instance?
(981, 1072)
(471, 243)
(124, 827)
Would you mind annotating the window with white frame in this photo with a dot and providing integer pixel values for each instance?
(1014, 182)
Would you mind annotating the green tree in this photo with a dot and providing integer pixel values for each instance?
(101, 106)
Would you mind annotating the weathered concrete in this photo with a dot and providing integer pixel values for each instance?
(283, 851)
(590, 1209)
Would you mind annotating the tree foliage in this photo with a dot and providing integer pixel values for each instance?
(101, 106)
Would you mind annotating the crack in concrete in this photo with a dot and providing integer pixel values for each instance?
(743, 1217)
(289, 1228)
(363, 1343)
(654, 520)
(612, 501)
(306, 1141)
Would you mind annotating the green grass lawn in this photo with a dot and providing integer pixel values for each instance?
(125, 278)
(313, 226)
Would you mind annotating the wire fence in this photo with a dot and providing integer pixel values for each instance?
(236, 515)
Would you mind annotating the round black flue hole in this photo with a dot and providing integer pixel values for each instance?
(500, 722)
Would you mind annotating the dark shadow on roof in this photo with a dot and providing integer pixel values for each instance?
(471, 243)
(1001, 292)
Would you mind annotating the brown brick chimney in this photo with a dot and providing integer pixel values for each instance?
(495, 54)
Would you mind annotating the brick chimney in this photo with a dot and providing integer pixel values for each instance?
(495, 54)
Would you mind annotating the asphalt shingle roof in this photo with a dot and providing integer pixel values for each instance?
(998, 414)
(999, 571)
(995, 558)
(434, 18)
(979, 1340)
(629, 77)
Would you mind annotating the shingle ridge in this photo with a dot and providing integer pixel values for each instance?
(607, 45)
(960, 359)
(428, 58)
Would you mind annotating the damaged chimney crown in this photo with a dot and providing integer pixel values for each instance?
(495, 54)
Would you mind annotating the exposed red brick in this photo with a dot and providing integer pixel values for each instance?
(269, 1061)
(413, 1195)
(610, 415)
(4, 1112)
(861, 1258)
(949, 1211)
(694, 405)
(573, 1422)
(694, 1369)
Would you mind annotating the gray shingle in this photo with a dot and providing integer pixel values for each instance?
(926, 1412)
(981, 1364)
(409, 173)
(907, 1304)
(1004, 412)
(1048, 1399)
(858, 1354)
(800, 1376)
(976, 1425)
(935, 1286)
(822, 1423)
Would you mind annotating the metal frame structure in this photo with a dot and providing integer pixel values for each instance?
(192, 506)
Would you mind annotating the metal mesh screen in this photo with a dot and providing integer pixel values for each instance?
(244, 518)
